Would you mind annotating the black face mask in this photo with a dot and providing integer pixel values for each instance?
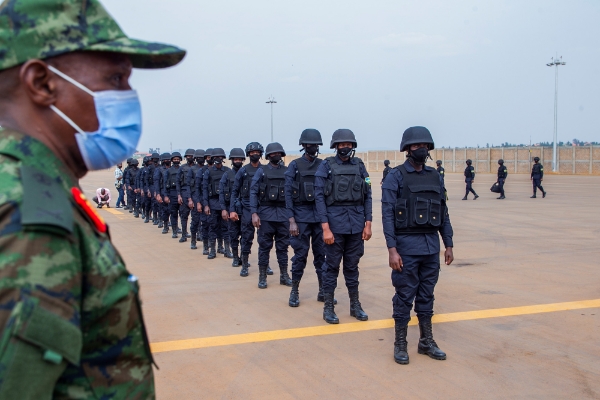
(167, 163)
(189, 159)
(176, 162)
(420, 155)
(255, 158)
(275, 159)
(200, 161)
(217, 160)
(344, 151)
(237, 165)
(312, 149)
(210, 161)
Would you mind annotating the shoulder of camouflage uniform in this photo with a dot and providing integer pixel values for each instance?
(30, 199)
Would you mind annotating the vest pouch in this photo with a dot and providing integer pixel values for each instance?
(295, 190)
(309, 191)
(358, 184)
(342, 185)
(421, 216)
(263, 192)
(401, 214)
(215, 189)
(245, 190)
(327, 192)
(435, 213)
(273, 192)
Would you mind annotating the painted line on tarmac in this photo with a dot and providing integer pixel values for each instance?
(113, 211)
(326, 329)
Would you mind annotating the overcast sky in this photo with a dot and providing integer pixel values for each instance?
(473, 72)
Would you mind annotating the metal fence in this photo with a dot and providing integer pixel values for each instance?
(577, 160)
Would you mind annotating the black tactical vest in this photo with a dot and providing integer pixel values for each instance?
(227, 188)
(272, 189)
(171, 176)
(185, 168)
(536, 170)
(132, 175)
(347, 187)
(420, 209)
(214, 177)
(151, 169)
(303, 188)
(469, 171)
(247, 180)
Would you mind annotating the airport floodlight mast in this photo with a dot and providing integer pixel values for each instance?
(271, 101)
(555, 63)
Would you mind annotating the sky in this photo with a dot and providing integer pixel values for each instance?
(473, 72)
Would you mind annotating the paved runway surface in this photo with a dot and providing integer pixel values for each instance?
(518, 312)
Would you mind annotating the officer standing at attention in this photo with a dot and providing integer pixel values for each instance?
(170, 187)
(193, 197)
(386, 170)
(134, 207)
(237, 157)
(160, 191)
(269, 214)
(125, 190)
(441, 171)
(502, 175)
(199, 182)
(344, 204)
(154, 160)
(212, 207)
(70, 317)
(537, 176)
(305, 224)
(412, 222)
(143, 190)
(183, 193)
(469, 179)
(241, 190)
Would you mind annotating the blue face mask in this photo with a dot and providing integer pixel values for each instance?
(120, 126)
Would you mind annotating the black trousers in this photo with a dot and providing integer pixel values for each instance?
(247, 231)
(273, 231)
(235, 231)
(308, 233)
(347, 248)
(470, 188)
(501, 185)
(415, 283)
(217, 226)
(184, 214)
(196, 224)
(537, 184)
(173, 209)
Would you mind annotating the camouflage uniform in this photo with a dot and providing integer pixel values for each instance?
(71, 324)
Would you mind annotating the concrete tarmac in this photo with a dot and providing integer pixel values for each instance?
(508, 253)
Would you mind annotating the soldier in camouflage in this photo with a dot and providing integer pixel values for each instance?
(70, 317)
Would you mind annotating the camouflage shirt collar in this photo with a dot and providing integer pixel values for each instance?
(34, 153)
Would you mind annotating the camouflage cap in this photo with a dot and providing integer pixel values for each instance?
(31, 29)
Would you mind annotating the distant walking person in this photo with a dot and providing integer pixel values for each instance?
(469, 179)
(537, 176)
(119, 185)
(502, 174)
(386, 170)
(441, 171)
(102, 197)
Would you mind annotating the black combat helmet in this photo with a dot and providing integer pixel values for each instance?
(274, 148)
(310, 136)
(146, 159)
(155, 156)
(469, 162)
(165, 156)
(217, 152)
(386, 162)
(134, 161)
(254, 146)
(500, 161)
(129, 160)
(236, 152)
(536, 159)
(175, 154)
(208, 152)
(439, 162)
(199, 153)
(189, 152)
(416, 135)
(343, 136)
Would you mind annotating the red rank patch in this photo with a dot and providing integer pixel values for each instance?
(89, 210)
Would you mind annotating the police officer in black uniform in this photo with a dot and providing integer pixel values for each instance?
(171, 199)
(344, 205)
(502, 175)
(131, 191)
(441, 171)
(143, 186)
(152, 165)
(160, 191)
(469, 179)
(412, 222)
(237, 157)
(212, 207)
(241, 190)
(183, 193)
(386, 170)
(269, 214)
(204, 224)
(126, 198)
(537, 176)
(193, 200)
(305, 224)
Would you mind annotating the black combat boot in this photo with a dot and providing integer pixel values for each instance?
(183, 237)
(356, 310)
(400, 344)
(533, 197)
(328, 310)
(143, 214)
(179, 230)
(193, 244)
(262, 277)
(212, 253)
(236, 258)
(205, 250)
(136, 214)
(126, 207)
(227, 251)
(174, 235)
(131, 209)
(320, 294)
(500, 198)
(426, 343)
(476, 196)
(165, 229)
(544, 195)
(284, 277)
(245, 265)
(269, 270)
(160, 224)
(147, 219)
(220, 249)
(294, 295)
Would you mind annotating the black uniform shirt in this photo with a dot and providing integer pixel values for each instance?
(301, 212)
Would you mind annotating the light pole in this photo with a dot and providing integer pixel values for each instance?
(271, 101)
(555, 63)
